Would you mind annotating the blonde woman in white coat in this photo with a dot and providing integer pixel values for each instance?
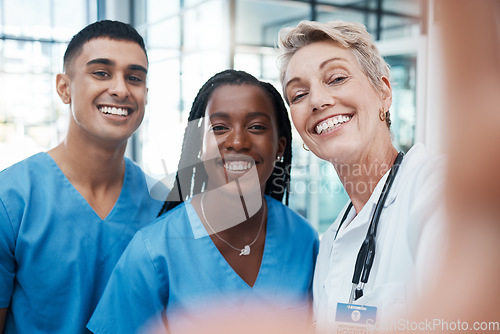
(337, 86)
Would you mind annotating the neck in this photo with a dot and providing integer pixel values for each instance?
(88, 163)
(360, 177)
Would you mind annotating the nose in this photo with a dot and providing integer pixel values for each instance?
(320, 98)
(118, 88)
(237, 139)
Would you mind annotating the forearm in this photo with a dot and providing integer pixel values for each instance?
(3, 314)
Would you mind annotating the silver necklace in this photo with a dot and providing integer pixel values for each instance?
(243, 251)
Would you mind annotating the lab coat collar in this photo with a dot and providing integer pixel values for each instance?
(363, 218)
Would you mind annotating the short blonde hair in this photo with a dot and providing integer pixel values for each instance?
(352, 36)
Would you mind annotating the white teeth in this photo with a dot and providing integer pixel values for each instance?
(114, 111)
(331, 123)
(237, 165)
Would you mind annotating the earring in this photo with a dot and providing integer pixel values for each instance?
(382, 114)
(279, 159)
(305, 147)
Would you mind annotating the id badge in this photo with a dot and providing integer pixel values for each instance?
(355, 319)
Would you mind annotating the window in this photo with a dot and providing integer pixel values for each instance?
(32, 44)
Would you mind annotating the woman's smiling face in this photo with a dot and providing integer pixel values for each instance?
(333, 105)
(242, 127)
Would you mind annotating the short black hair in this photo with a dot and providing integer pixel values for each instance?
(194, 177)
(106, 28)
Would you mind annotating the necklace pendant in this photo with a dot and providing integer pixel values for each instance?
(245, 250)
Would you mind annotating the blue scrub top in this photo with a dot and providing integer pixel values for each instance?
(173, 266)
(56, 253)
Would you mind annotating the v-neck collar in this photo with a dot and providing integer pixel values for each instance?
(79, 196)
(200, 232)
(362, 219)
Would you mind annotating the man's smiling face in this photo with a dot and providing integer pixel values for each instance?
(106, 87)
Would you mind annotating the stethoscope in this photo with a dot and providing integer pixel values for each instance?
(366, 254)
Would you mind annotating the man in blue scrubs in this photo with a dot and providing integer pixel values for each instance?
(67, 215)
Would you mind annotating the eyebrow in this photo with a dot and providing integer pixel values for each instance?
(321, 66)
(220, 114)
(250, 115)
(109, 62)
(334, 59)
(137, 68)
(255, 114)
(103, 61)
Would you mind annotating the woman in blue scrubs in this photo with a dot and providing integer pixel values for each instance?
(224, 237)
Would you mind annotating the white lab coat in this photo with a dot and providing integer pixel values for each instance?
(404, 234)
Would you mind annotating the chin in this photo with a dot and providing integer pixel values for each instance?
(237, 184)
(249, 182)
(335, 153)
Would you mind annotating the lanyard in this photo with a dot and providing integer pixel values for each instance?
(366, 254)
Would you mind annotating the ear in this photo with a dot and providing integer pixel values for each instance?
(281, 146)
(147, 92)
(386, 93)
(63, 87)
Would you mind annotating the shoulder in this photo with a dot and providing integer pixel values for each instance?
(21, 168)
(276, 207)
(421, 162)
(135, 170)
(288, 219)
(22, 182)
(421, 193)
(167, 240)
(133, 165)
(174, 223)
(157, 189)
(421, 173)
(19, 178)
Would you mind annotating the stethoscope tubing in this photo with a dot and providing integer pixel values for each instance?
(366, 254)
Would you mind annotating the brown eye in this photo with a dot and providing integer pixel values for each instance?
(218, 128)
(257, 127)
(102, 74)
(135, 78)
